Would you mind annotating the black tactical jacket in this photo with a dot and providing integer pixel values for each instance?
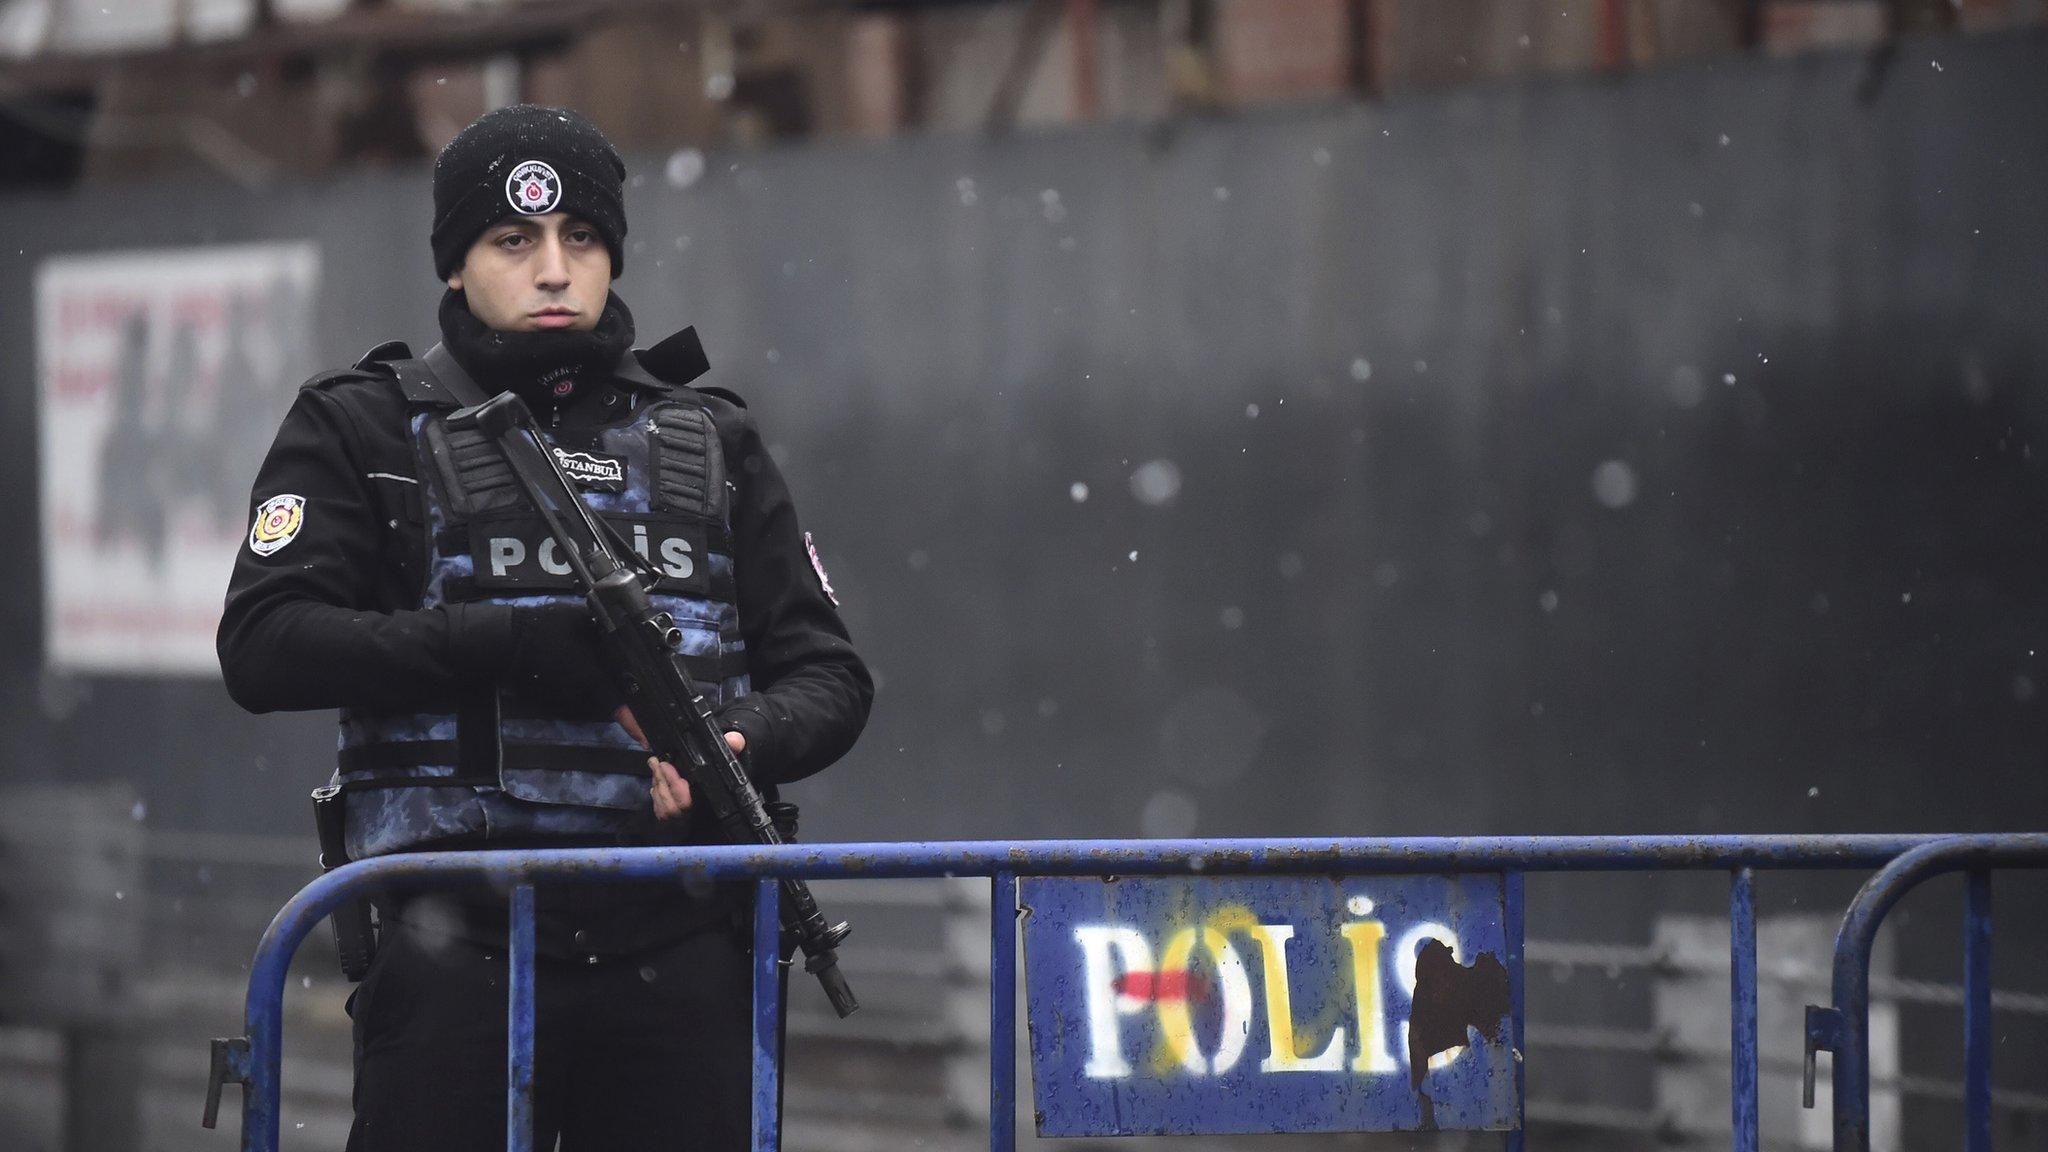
(331, 619)
(338, 624)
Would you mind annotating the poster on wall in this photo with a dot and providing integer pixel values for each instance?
(162, 377)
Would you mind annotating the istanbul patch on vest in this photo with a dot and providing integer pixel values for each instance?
(598, 471)
(517, 553)
(278, 520)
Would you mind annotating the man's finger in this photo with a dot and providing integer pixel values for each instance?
(681, 788)
(667, 802)
(631, 724)
(678, 787)
(658, 789)
(737, 741)
(671, 791)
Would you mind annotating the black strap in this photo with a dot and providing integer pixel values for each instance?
(380, 783)
(450, 374)
(438, 378)
(712, 670)
(479, 739)
(389, 765)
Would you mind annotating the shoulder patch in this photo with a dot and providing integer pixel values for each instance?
(726, 394)
(818, 566)
(277, 523)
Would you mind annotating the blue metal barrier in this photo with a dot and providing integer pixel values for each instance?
(1844, 1029)
(255, 1060)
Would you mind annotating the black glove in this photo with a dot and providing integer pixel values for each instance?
(558, 663)
(747, 717)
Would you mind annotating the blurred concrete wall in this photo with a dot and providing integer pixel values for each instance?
(1433, 401)
(1602, 456)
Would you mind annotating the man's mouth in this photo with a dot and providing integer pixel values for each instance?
(554, 318)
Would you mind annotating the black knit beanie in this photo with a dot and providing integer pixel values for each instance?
(529, 160)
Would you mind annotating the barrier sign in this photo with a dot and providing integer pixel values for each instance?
(1271, 1004)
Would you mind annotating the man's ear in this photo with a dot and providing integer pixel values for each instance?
(455, 280)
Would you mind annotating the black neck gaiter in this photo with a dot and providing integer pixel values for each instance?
(544, 368)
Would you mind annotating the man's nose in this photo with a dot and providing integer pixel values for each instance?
(552, 272)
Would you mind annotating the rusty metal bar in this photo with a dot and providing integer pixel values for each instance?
(519, 1025)
(1002, 1013)
(1514, 930)
(1742, 1008)
(1977, 1011)
(767, 1016)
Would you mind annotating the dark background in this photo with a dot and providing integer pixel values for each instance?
(1824, 579)
(1392, 605)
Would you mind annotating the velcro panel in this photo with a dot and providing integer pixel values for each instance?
(487, 481)
(472, 470)
(690, 475)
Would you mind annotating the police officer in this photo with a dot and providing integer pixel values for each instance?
(391, 571)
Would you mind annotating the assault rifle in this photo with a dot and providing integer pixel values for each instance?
(678, 724)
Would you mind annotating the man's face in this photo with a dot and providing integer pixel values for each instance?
(528, 273)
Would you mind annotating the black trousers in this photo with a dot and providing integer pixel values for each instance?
(641, 1052)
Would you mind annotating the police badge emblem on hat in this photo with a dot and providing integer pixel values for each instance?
(277, 522)
(533, 187)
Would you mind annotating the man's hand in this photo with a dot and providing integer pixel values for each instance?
(671, 792)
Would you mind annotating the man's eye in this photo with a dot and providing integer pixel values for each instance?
(511, 240)
(582, 236)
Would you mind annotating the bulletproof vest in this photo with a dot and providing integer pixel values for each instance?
(657, 476)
